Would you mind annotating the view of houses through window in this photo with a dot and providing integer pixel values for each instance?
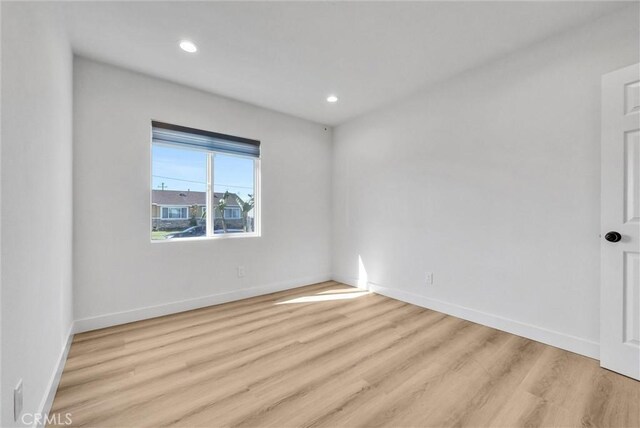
(189, 182)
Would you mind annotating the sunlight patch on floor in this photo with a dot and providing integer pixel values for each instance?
(342, 291)
(325, 297)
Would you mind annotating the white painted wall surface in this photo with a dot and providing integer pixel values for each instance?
(1, 405)
(491, 181)
(36, 201)
(117, 269)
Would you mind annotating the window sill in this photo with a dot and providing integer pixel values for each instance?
(209, 238)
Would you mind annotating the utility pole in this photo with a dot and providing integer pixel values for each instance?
(163, 186)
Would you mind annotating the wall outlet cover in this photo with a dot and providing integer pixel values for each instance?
(241, 272)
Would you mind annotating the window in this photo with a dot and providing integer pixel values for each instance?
(174, 213)
(232, 213)
(203, 184)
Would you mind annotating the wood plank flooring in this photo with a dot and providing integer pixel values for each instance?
(328, 355)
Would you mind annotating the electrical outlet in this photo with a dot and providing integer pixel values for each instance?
(241, 272)
(17, 400)
(429, 278)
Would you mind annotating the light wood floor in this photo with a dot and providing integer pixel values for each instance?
(329, 355)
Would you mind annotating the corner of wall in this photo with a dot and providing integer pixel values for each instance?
(37, 314)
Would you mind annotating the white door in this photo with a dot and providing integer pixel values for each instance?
(620, 222)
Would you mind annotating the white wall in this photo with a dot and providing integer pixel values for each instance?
(116, 266)
(490, 181)
(1, 404)
(36, 201)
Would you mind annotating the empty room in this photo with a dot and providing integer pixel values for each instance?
(320, 214)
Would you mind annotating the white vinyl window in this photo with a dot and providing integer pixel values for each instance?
(232, 213)
(205, 182)
(175, 213)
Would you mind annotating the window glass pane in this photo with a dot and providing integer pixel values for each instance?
(177, 213)
(233, 185)
(179, 187)
(232, 213)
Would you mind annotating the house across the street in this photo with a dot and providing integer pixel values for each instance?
(179, 209)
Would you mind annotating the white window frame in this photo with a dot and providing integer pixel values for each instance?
(234, 209)
(256, 199)
(168, 207)
(257, 191)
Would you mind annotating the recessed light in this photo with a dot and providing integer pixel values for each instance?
(332, 99)
(188, 46)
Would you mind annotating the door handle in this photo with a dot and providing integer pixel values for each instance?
(613, 236)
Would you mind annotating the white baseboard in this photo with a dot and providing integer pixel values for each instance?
(560, 340)
(116, 318)
(346, 280)
(354, 282)
(54, 381)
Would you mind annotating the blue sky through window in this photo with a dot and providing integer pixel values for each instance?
(180, 169)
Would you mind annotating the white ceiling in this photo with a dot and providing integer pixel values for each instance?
(290, 56)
